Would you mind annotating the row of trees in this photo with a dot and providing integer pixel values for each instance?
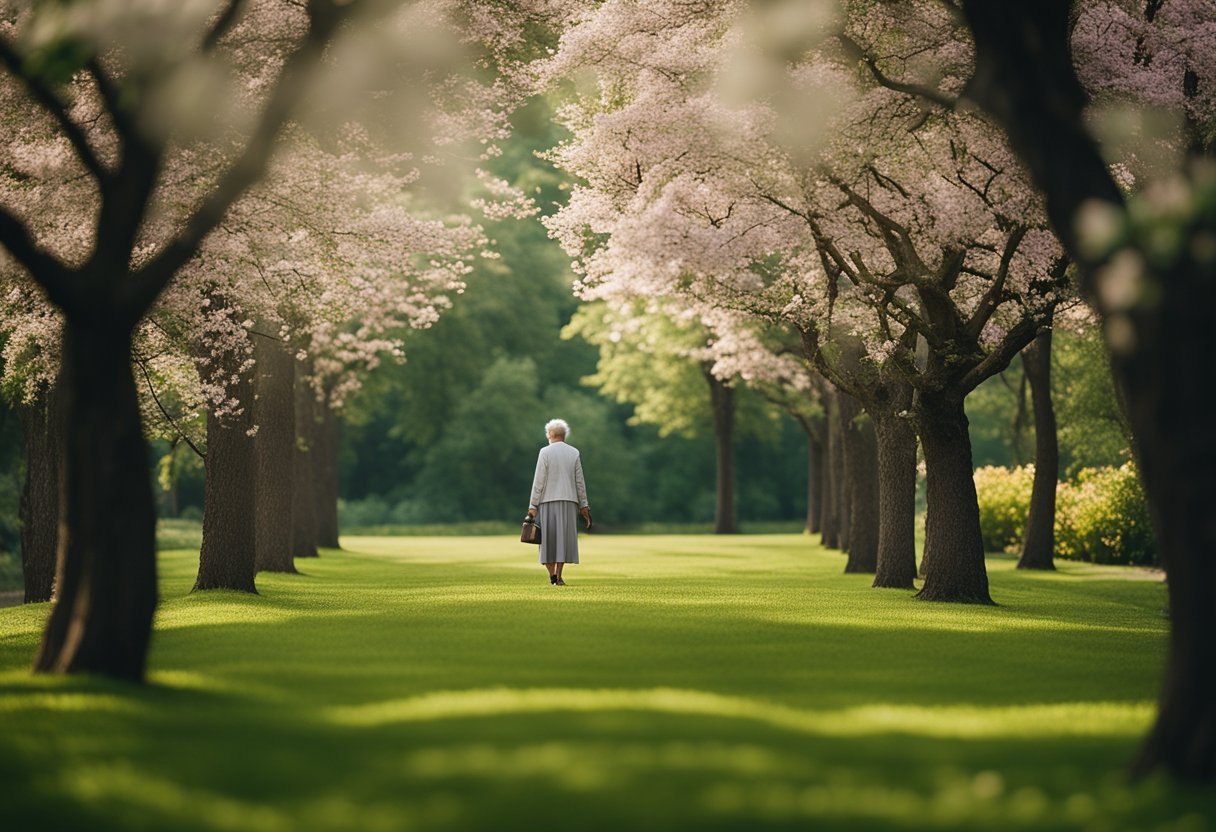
(142, 255)
(835, 182)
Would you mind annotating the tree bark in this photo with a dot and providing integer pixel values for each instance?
(861, 455)
(896, 568)
(43, 431)
(325, 476)
(106, 580)
(833, 470)
(228, 558)
(954, 546)
(275, 447)
(303, 500)
(1025, 78)
(722, 401)
(1039, 541)
(844, 515)
(814, 480)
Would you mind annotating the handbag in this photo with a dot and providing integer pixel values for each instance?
(530, 533)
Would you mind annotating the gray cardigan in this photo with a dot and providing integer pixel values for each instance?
(559, 476)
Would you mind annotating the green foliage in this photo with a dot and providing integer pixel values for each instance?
(648, 360)
(58, 52)
(12, 476)
(999, 435)
(678, 683)
(1093, 431)
(1104, 518)
(179, 533)
(1101, 517)
(1004, 496)
(487, 452)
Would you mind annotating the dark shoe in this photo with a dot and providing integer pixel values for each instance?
(560, 582)
(553, 580)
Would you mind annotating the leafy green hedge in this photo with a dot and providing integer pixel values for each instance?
(1004, 501)
(1101, 517)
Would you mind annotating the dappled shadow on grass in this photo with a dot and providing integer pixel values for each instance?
(197, 760)
(673, 685)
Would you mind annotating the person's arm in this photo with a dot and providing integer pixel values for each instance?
(538, 483)
(581, 487)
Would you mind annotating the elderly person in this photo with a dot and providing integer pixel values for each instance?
(557, 492)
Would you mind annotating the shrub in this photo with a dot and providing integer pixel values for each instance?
(375, 510)
(1104, 518)
(1004, 496)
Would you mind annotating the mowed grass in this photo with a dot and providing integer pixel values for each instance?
(678, 682)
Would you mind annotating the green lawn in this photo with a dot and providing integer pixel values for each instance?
(687, 682)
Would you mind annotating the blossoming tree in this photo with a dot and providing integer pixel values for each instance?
(1147, 264)
(117, 105)
(912, 235)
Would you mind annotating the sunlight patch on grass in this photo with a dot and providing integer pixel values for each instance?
(184, 680)
(68, 701)
(215, 608)
(141, 790)
(584, 765)
(1109, 719)
(680, 683)
(120, 788)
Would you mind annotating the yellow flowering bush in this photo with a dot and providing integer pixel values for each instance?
(1004, 495)
(1101, 517)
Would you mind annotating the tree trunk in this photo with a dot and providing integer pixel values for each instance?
(1171, 416)
(861, 453)
(722, 400)
(1018, 426)
(1026, 79)
(275, 448)
(833, 471)
(303, 500)
(814, 480)
(228, 558)
(106, 581)
(846, 408)
(42, 426)
(954, 546)
(325, 476)
(1040, 539)
(896, 503)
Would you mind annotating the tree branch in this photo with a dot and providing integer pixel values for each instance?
(223, 24)
(1014, 342)
(992, 298)
(148, 282)
(855, 51)
(51, 102)
(172, 422)
(46, 269)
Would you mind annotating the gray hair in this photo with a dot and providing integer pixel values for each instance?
(557, 426)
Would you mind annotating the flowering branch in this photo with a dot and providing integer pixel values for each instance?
(855, 51)
(150, 280)
(54, 277)
(51, 102)
(139, 362)
(992, 298)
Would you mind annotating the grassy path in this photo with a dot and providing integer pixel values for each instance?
(678, 682)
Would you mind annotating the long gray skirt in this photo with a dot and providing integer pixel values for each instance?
(558, 521)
